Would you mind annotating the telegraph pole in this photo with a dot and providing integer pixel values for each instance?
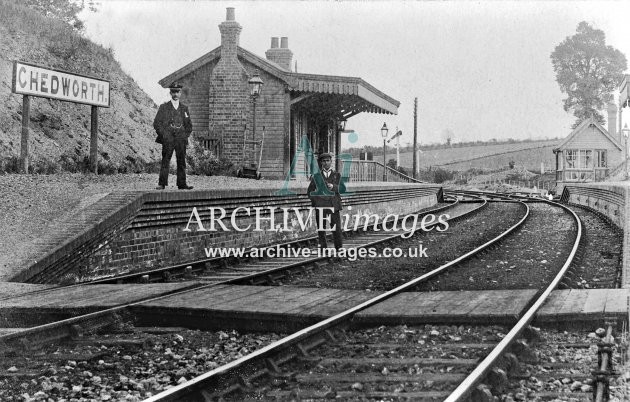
(415, 138)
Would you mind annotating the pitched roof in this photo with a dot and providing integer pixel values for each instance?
(299, 82)
(582, 126)
(264, 64)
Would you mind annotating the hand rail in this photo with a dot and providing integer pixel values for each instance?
(361, 170)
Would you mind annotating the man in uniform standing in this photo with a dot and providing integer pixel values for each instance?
(173, 127)
(324, 192)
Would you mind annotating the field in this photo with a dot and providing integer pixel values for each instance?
(491, 157)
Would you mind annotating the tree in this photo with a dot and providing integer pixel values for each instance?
(587, 71)
(447, 136)
(64, 10)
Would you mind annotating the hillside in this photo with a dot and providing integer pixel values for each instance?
(491, 157)
(57, 128)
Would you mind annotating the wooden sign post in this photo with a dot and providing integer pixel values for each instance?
(33, 80)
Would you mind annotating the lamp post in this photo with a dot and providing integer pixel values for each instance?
(626, 131)
(255, 84)
(384, 131)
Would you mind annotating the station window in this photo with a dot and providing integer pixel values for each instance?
(579, 158)
(602, 160)
(571, 156)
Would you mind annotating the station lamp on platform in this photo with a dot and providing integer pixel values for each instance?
(384, 131)
(626, 131)
(255, 84)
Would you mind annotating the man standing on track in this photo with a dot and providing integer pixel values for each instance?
(173, 127)
(328, 198)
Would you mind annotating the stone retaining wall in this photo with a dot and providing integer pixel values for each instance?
(145, 230)
(610, 199)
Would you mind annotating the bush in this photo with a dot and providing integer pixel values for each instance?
(10, 165)
(441, 175)
(202, 161)
(74, 162)
(402, 170)
(44, 166)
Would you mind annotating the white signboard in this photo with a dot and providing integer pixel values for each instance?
(34, 80)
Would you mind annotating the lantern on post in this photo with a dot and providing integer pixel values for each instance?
(384, 131)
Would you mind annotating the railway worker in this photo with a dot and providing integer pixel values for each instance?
(328, 198)
(173, 127)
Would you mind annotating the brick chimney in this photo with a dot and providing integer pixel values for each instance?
(228, 92)
(230, 34)
(280, 55)
(612, 122)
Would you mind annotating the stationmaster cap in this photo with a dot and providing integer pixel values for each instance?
(175, 85)
(324, 156)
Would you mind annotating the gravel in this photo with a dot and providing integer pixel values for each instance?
(386, 273)
(122, 371)
(599, 266)
(527, 259)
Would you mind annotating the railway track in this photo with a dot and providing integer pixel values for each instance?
(308, 363)
(281, 360)
(250, 271)
(265, 361)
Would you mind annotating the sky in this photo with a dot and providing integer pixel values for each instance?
(479, 69)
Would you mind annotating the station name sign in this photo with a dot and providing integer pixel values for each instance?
(29, 79)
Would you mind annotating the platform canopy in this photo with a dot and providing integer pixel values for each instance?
(340, 96)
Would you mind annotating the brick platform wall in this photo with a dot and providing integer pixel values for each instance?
(613, 201)
(147, 233)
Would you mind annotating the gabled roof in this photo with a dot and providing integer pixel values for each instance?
(264, 64)
(300, 82)
(585, 124)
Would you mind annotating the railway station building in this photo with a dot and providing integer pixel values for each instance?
(590, 153)
(290, 106)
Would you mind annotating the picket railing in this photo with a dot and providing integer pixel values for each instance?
(375, 171)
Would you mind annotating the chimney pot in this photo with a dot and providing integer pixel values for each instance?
(230, 14)
(274, 43)
(284, 42)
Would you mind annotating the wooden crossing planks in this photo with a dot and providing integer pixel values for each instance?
(300, 305)
(14, 289)
(271, 300)
(585, 305)
(450, 306)
(91, 295)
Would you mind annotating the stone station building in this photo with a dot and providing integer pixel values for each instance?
(290, 106)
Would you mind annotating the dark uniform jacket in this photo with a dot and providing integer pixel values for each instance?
(332, 200)
(172, 124)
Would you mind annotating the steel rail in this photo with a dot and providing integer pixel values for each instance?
(215, 260)
(63, 328)
(199, 383)
(466, 387)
